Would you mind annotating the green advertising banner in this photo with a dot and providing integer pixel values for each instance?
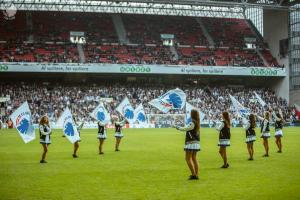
(142, 69)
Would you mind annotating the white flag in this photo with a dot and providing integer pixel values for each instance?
(188, 109)
(140, 115)
(262, 102)
(173, 99)
(21, 119)
(69, 126)
(239, 108)
(126, 110)
(100, 113)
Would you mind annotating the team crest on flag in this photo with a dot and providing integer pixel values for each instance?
(140, 115)
(21, 119)
(126, 110)
(101, 114)
(173, 99)
(188, 109)
(239, 108)
(69, 126)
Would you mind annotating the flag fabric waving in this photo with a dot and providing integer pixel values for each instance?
(126, 110)
(21, 119)
(239, 108)
(140, 115)
(69, 127)
(188, 109)
(173, 99)
(101, 114)
(262, 102)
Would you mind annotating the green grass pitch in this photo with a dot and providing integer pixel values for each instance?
(150, 165)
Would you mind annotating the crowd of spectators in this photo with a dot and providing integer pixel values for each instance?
(52, 98)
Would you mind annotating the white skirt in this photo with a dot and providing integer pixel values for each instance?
(224, 142)
(265, 135)
(119, 134)
(278, 133)
(195, 146)
(250, 138)
(102, 136)
(46, 140)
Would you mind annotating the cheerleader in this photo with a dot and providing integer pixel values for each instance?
(76, 144)
(278, 129)
(192, 143)
(118, 133)
(224, 137)
(249, 126)
(265, 131)
(45, 132)
(101, 135)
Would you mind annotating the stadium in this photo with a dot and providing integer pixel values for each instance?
(149, 99)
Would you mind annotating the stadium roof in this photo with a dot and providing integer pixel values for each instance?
(207, 8)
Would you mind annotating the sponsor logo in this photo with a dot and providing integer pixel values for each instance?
(3, 68)
(135, 69)
(263, 72)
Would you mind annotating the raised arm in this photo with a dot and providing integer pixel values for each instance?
(259, 117)
(121, 123)
(219, 126)
(80, 126)
(245, 123)
(275, 116)
(189, 127)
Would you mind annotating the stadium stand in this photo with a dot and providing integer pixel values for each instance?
(44, 37)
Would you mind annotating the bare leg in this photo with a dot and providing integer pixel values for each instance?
(249, 150)
(279, 145)
(266, 145)
(188, 159)
(76, 147)
(224, 156)
(45, 148)
(118, 140)
(195, 163)
(252, 150)
(101, 141)
(221, 152)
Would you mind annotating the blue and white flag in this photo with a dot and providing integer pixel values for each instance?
(68, 125)
(21, 119)
(140, 115)
(262, 102)
(173, 99)
(188, 109)
(239, 108)
(101, 114)
(126, 110)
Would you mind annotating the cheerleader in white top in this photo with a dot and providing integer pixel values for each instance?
(192, 143)
(224, 137)
(101, 135)
(265, 131)
(45, 140)
(118, 133)
(278, 129)
(249, 126)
